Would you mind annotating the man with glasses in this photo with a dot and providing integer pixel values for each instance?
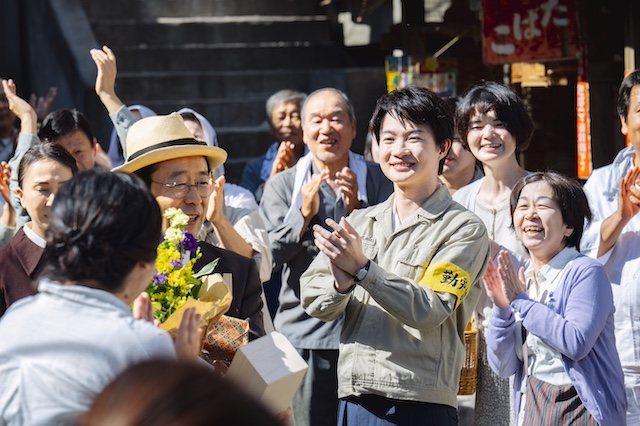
(177, 169)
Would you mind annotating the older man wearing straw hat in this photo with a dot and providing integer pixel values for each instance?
(177, 168)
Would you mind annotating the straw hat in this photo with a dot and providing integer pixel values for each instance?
(165, 137)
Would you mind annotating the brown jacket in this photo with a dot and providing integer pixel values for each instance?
(19, 265)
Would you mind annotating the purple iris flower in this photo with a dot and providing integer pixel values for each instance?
(176, 263)
(159, 279)
(188, 243)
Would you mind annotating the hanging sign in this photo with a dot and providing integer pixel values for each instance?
(529, 30)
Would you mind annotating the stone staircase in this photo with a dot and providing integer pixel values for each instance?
(225, 58)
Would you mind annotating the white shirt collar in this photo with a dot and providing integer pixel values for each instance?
(36, 239)
(549, 272)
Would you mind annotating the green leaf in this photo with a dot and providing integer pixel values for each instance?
(207, 270)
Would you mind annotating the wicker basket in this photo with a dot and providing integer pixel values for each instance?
(469, 372)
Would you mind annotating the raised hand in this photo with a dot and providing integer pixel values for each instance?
(285, 158)
(512, 281)
(8, 212)
(105, 61)
(629, 198)
(5, 176)
(21, 108)
(42, 105)
(343, 247)
(188, 340)
(348, 183)
(311, 196)
(493, 284)
(102, 159)
(142, 309)
(215, 210)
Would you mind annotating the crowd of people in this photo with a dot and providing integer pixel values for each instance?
(372, 266)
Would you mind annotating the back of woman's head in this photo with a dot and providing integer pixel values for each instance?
(45, 151)
(507, 105)
(166, 393)
(101, 225)
(63, 122)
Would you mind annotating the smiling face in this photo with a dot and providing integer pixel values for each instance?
(409, 155)
(189, 170)
(488, 138)
(80, 147)
(286, 124)
(42, 180)
(458, 161)
(328, 129)
(538, 222)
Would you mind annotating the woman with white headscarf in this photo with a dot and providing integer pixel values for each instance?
(234, 195)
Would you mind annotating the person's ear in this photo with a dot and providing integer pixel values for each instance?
(444, 149)
(20, 194)
(624, 129)
(568, 231)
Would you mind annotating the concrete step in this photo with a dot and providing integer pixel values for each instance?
(154, 86)
(219, 112)
(244, 141)
(118, 33)
(243, 145)
(151, 9)
(237, 98)
(256, 56)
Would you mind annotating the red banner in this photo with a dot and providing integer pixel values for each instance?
(583, 129)
(529, 30)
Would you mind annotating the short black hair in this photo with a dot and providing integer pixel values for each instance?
(101, 225)
(146, 172)
(416, 105)
(509, 108)
(45, 151)
(63, 122)
(624, 93)
(569, 195)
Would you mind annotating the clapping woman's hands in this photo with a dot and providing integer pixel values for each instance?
(512, 281)
(503, 283)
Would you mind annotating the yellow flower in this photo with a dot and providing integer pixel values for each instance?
(173, 281)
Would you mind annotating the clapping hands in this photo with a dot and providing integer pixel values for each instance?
(503, 283)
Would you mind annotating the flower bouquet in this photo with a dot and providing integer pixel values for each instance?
(175, 287)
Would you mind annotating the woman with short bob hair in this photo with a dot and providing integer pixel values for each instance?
(562, 306)
(43, 170)
(60, 348)
(493, 123)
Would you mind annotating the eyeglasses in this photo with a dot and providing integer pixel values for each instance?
(180, 190)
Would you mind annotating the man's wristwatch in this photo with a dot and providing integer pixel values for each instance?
(362, 272)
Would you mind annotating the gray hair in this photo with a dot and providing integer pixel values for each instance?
(345, 99)
(281, 97)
